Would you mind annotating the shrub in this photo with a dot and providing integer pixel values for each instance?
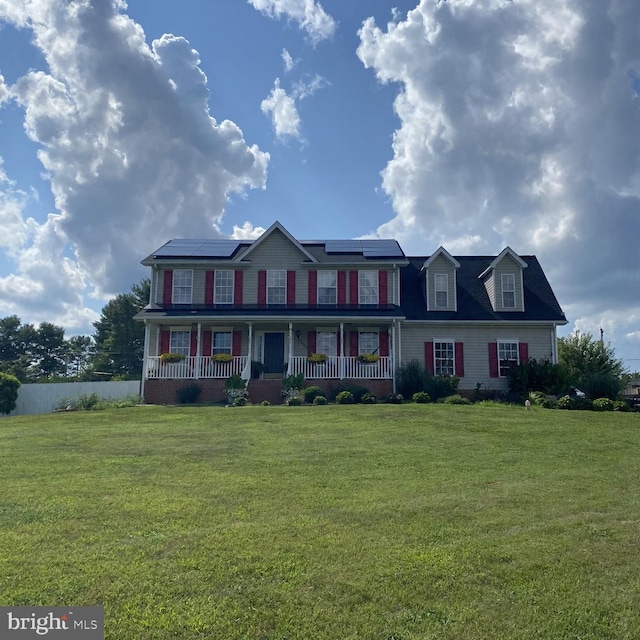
(235, 387)
(395, 398)
(265, 403)
(292, 386)
(582, 404)
(320, 400)
(293, 401)
(621, 405)
(369, 398)
(355, 390)
(411, 377)
(441, 386)
(565, 403)
(310, 393)
(603, 404)
(421, 397)
(600, 385)
(536, 375)
(456, 399)
(345, 397)
(536, 398)
(9, 386)
(188, 394)
(239, 402)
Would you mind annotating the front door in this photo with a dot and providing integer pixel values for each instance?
(273, 352)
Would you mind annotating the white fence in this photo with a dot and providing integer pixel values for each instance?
(43, 398)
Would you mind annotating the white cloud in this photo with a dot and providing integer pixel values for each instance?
(246, 232)
(288, 61)
(515, 129)
(282, 108)
(309, 15)
(128, 144)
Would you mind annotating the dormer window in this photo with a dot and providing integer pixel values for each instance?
(442, 290)
(508, 291)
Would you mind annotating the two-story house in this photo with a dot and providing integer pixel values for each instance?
(276, 300)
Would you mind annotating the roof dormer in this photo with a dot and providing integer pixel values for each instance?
(440, 281)
(276, 242)
(503, 281)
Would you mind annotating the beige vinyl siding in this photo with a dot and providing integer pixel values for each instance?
(197, 291)
(441, 265)
(475, 338)
(508, 265)
(489, 285)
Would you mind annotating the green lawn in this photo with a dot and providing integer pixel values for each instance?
(370, 522)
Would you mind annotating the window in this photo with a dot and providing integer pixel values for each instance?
(507, 353)
(368, 342)
(221, 342)
(327, 287)
(442, 290)
(182, 286)
(367, 287)
(508, 291)
(180, 342)
(443, 358)
(277, 287)
(223, 287)
(327, 343)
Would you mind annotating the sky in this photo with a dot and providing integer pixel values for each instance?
(471, 124)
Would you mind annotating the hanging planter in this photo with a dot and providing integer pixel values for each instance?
(221, 357)
(171, 357)
(317, 358)
(368, 358)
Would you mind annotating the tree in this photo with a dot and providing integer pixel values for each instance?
(9, 386)
(591, 365)
(119, 339)
(79, 351)
(49, 356)
(17, 346)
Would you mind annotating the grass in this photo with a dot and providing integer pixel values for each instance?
(369, 522)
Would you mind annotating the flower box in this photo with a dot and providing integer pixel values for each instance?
(221, 357)
(317, 358)
(171, 357)
(368, 358)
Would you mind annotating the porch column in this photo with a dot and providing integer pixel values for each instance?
(198, 351)
(246, 370)
(250, 351)
(290, 360)
(145, 367)
(341, 360)
(392, 353)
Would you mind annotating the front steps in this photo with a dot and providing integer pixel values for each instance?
(261, 390)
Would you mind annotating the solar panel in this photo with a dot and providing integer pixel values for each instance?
(217, 248)
(343, 246)
(381, 249)
(187, 248)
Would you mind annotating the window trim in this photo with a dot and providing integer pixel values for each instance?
(451, 343)
(334, 287)
(517, 350)
(228, 332)
(232, 286)
(362, 287)
(436, 290)
(269, 288)
(174, 286)
(504, 277)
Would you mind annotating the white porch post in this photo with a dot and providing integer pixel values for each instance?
(145, 355)
(250, 342)
(290, 361)
(341, 361)
(198, 351)
(393, 355)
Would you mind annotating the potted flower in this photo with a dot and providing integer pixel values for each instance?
(368, 358)
(221, 357)
(171, 357)
(317, 358)
(256, 369)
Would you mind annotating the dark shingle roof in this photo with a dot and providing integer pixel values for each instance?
(473, 302)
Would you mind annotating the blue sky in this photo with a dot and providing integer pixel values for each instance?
(472, 124)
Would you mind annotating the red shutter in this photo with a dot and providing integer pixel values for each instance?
(313, 288)
(238, 277)
(523, 352)
(262, 288)
(291, 288)
(193, 347)
(236, 346)
(382, 288)
(428, 357)
(383, 342)
(165, 341)
(207, 343)
(493, 359)
(209, 279)
(353, 343)
(167, 292)
(353, 287)
(342, 287)
(459, 359)
(311, 342)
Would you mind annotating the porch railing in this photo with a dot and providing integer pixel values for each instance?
(342, 367)
(194, 367)
(334, 367)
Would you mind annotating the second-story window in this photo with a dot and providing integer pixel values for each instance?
(367, 287)
(441, 290)
(327, 287)
(182, 286)
(277, 287)
(508, 291)
(223, 287)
